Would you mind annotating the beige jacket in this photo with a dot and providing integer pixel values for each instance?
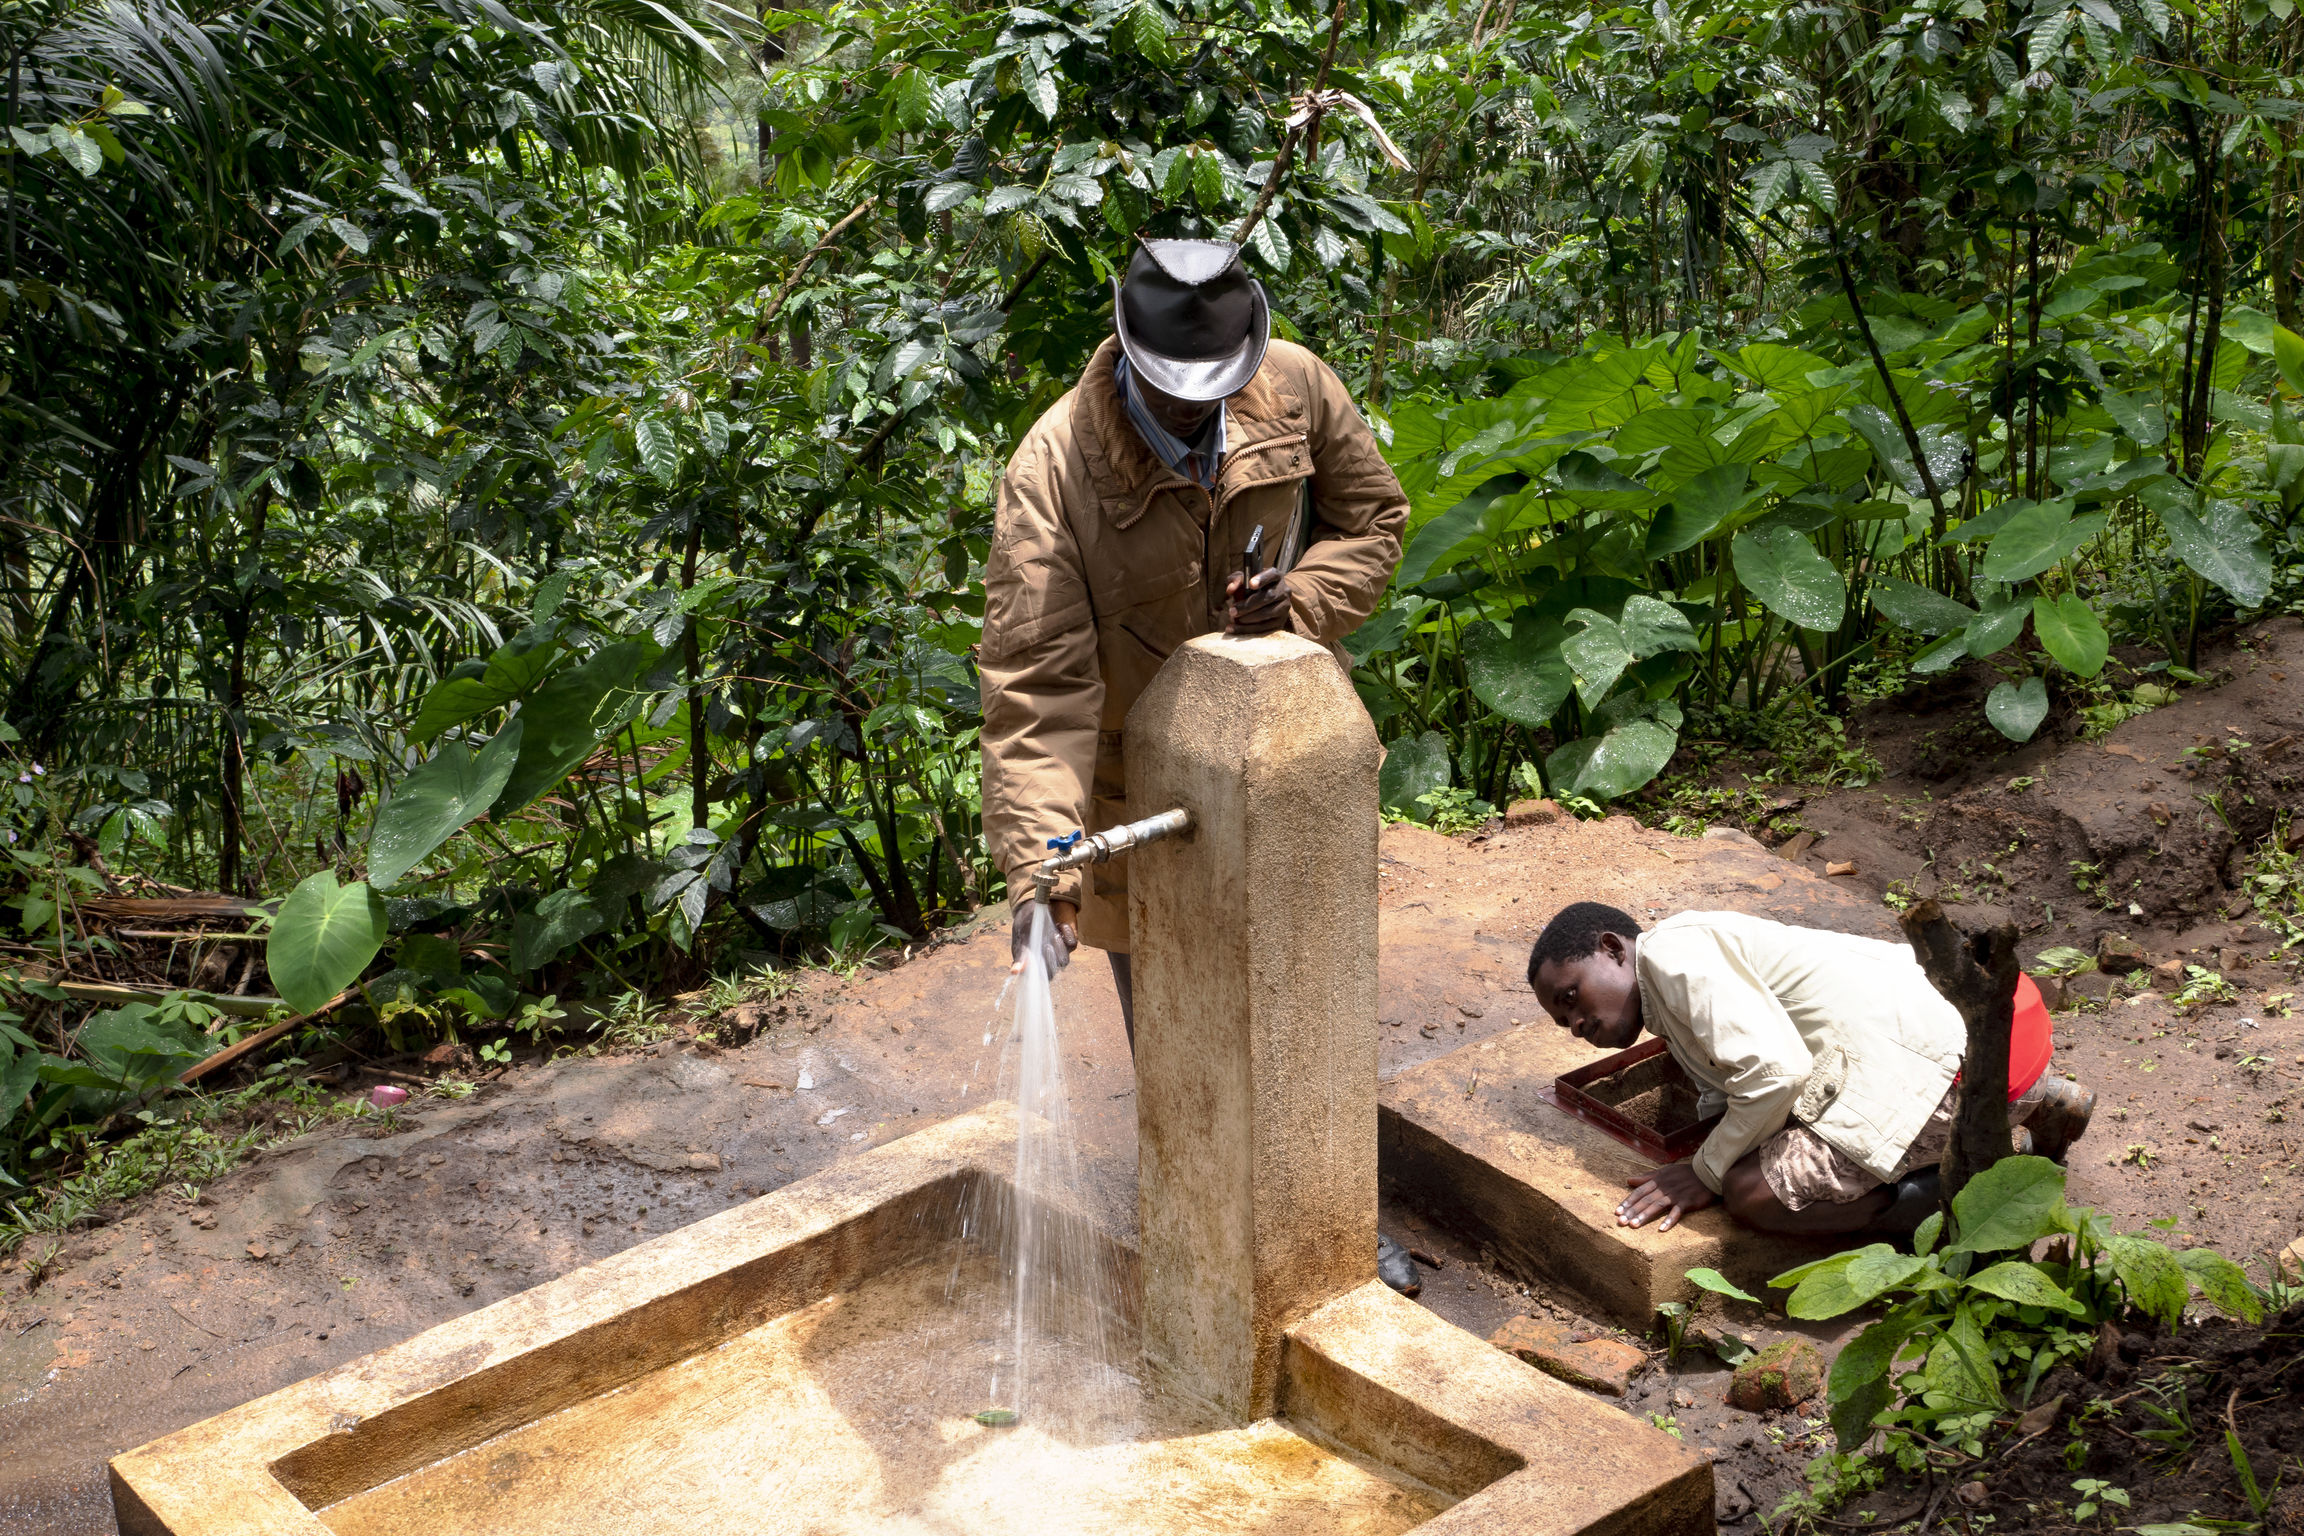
(1840, 1033)
(1104, 561)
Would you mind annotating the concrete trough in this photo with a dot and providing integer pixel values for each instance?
(1466, 1139)
(799, 1364)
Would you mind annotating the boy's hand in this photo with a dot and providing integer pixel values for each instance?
(1671, 1192)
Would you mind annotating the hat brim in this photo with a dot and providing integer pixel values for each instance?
(1201, 378)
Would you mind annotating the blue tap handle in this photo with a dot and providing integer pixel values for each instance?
(1067, 842)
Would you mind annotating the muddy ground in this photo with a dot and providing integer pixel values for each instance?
(324, 1250)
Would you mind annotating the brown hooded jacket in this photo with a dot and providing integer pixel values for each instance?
(1104, 561)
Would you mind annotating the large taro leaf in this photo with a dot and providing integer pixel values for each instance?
(438, 800)
(1917, 608)
(2016, 709)
(2037, 537)
(1698, 508)
(1589, 483)
(1639, 740)
(2143, 421)
(1456, 531)
(518, 665)
(559, 920)
(323, 939)
(2224, 545)
(1521, 676)
(136, 1046)
(2072, 633)
(570, 715)
(1413, 766)
(1651, 626)
(1998, 625)
(2010, 1205)
(1783, 570)
(1596, 655)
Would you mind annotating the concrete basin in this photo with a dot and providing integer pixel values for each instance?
(811, 1363)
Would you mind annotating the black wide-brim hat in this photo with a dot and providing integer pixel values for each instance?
(1193, 322)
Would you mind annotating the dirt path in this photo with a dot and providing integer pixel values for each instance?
(322, 1251)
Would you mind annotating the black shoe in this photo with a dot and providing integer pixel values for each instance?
(1395, 1268)
(1917, 1193)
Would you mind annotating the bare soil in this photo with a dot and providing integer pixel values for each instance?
(324, 1250)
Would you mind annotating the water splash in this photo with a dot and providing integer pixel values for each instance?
(1061, 1289)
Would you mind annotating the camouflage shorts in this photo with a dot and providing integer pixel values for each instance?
(1803, 1169)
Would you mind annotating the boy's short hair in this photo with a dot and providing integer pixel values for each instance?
(1574, 933)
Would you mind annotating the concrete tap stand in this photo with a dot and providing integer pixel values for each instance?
(1255, 977)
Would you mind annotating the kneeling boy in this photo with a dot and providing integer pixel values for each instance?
(1829, 1057)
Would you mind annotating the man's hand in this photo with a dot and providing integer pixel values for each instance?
(1671, 1192)
(1256, 607)
(1063, 936)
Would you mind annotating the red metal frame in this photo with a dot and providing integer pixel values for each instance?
(1567, 1095)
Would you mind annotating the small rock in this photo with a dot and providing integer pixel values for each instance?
(446, 1054)
(2168, 973)
(704, 1162)
(1786, 1373)
(2291, 1261)
(2051, 991)
(1844, 867)
(2087, 984)
(1471, 1012)
(1531, 813)
(1974, 1494)
(2205, 1127)
(1796, 846)
(258, 1252)
(2229, 960)
(1600, 1365)
(2117, 954)
(1731, 1501)
(1683, 1399)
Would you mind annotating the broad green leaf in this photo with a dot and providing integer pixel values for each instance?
(559, 920)
(1413, 766)
(1720, 1285)
(1619, 761)
(909, 102)
(1522, 677)
(1596, 655)
(1783, 570)
(2023, 1282)
(2226, 547)
(1698, 508)
(1825, 1292)
(2071, 632)
(2155, 1282)
(516, 666)
(1587, 482)
(436, 801)
(1997, 625)
(1651, 627)
(1924, 1236)
(1880, 1268)
(1859, 1388)
(17, 1075)
(323, 939)
(2037, 537)
(1801, 1272)
(1448, 534)
(2016, 709)
(2288, 354)
(1918, 608)
(2143, 421)
(1966, 1375)
(2223, 1282)
(2010, 1205)
(572, 714)
(659, 449)
(1782, 371)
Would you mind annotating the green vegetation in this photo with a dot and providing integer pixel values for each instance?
(505, 492)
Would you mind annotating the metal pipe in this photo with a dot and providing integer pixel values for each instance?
(1081, 848)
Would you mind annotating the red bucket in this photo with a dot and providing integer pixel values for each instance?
(2029, 1042)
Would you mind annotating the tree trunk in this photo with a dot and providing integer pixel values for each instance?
(1976, 973)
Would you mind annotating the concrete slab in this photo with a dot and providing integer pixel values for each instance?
(1465, 1138)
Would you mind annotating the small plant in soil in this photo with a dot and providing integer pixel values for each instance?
(2095, 1493)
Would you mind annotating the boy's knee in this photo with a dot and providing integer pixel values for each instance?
(1746, 1194)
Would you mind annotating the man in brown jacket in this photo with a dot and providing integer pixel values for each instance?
(1118, 536)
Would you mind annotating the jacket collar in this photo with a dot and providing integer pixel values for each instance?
(1126, 472)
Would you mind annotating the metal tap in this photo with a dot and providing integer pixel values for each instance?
(1075, 849)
